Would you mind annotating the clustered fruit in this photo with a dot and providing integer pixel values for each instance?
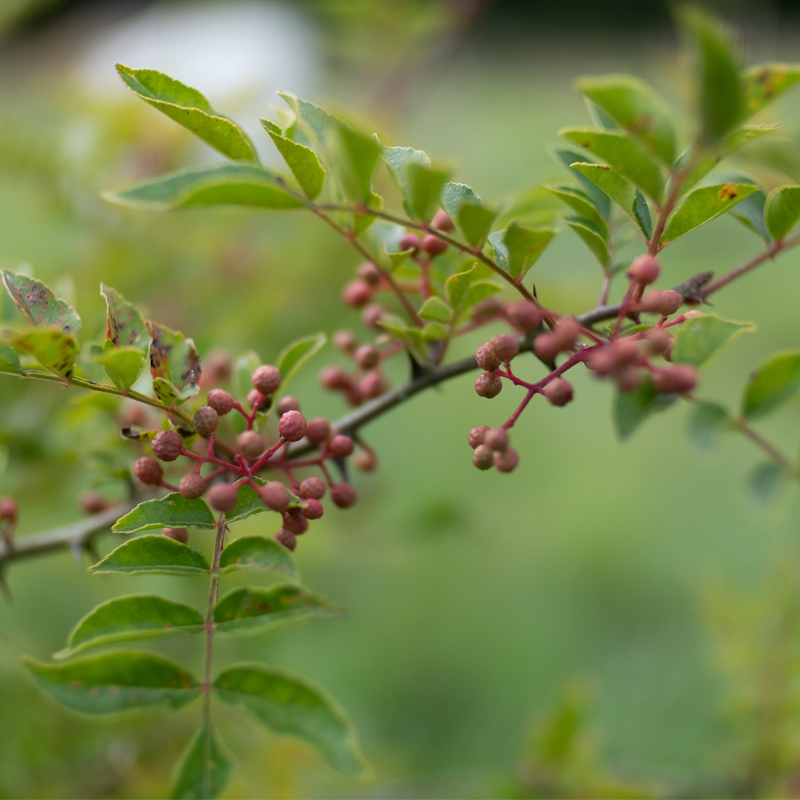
(627, 360)
(239, 465)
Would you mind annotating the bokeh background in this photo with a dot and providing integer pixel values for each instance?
(609, 620)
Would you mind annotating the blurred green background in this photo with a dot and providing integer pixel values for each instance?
(608, 620)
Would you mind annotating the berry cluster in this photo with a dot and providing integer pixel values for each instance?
(366, 381)
(232, 467)
(624, 357)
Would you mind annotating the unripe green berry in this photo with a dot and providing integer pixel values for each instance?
(496, 438)
(178, 534)
(483, 456)
(505, 460)
(192, 485)
(312, 489)
(318, 430)
(523, 315)
(357, 293)
(476, 435)
(292, 426)
(167, 445)
(504, 346)
(275, 496)
(313, 509)
(559, 392)
(340, 446)
(148, 471)
(223, 496)
(486, 358)
(343, 495)
(205, 421)
(367, 356)
(488, 385)
(287, 403)
(221, 401)
(267, 379)
(251, 444)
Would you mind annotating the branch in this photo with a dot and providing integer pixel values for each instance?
(77, 537)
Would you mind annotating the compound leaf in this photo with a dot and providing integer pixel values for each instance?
(123, 619)
(114, 682)
(293, 706)
(191, 109)
(153, 554)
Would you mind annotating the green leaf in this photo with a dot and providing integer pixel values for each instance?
(424, 189)
(191, 109)
(435, 309)
(293, 706)
(398, 160)
(243, 369)
(214, 185)
(55, 350)
(153, 554)
(9, 360)
(631, 409)
(114, 682)
(592, 238)
(524, 246)
(750, 212)
(637, 108)
(721, 96)
(456, 286)
(480, 290)
(579, 201)
(470, 216)
(253, 609)
(702, 205)
(706, 422)
(40, 307)
(765, 480)
(172, 511)
(258, 552)
(569, 158)
(137, 616)
(699, 338)
(434, 332)
(301, 160)
(623, 154)
(205, 768)
(782, 210)
(626, 196)
(315, 123)
(772, 384)
(356, 157)
(294, 356)
(122, 364)
(249, 502)
(763, 83)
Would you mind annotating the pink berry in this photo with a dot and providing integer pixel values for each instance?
(523, 315)
(9, 510)
(442, 222)
(192, 485)
(312, 489)
(334, 379)
(313, 509)
(223, 496)
(367, 356)
(372, 385)
(504, 346)
(496, 438)
(294, 521)
(433, 245)
(410, 241)
(205, 421)
(369, 273)
(678, 379)
(275, 496)
(167, 445)
(251, 444)
(221, 401)
(476, 435)
(318, 430)
(644, 269)
(346, 341)
(559, 392)
(292, 426)
(488, 385)
(483, 457)
(505, 460)
(357, 293)
(90, 502)
(287, 539)
(148, 471)
(486, 358)
(340, 446)
(267, 379)
(343, 495)
(372, 315)
(366, 461)
(287, 403)
(178, 534)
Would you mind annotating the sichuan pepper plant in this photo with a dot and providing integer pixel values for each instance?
(433, 260)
